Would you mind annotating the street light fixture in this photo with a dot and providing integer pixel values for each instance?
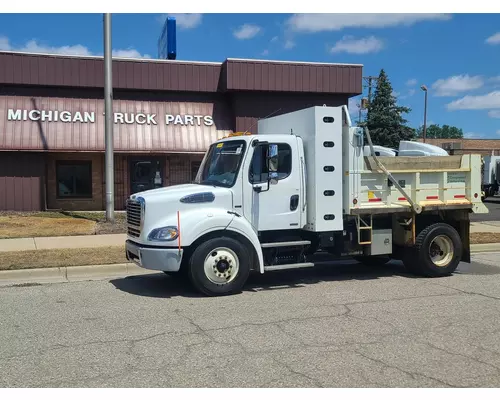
(424, 88)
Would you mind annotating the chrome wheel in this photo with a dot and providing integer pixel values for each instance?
(221, 265)
(441, 251)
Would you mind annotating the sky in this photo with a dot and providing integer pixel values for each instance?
(457, 56)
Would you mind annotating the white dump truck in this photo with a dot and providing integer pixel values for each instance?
(301, 190)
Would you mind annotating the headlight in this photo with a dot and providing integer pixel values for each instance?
(165, 234)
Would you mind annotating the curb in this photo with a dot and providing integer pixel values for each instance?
(99, 272)
(484, 248)
(70, 274)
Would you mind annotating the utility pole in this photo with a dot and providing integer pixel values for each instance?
(370, 80)
(424, 88)
(108, 127)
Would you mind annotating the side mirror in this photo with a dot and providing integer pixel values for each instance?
(272, 162)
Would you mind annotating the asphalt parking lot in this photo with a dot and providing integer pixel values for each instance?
(342, 326)
(493, 204)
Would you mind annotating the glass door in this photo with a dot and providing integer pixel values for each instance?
(146, 174)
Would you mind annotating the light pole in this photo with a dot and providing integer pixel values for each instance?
(424, 88)
(108, 127)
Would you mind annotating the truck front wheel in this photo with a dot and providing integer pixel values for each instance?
(437, 252)
(219, 266)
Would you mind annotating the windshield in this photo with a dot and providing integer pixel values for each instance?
(221, 164)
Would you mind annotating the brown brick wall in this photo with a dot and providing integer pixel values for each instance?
(476, 146)
(177, 171)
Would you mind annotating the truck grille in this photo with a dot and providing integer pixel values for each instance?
(134, 218)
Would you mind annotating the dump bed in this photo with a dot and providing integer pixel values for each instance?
(431, 182)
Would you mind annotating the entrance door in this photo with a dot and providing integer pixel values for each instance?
(146, 174)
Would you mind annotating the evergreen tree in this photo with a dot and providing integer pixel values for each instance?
(384, 118)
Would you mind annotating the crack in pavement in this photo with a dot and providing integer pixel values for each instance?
(410, 373)
(459, 354)
(465, 291)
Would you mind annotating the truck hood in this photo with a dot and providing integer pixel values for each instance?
(171, 197)
(177, 192)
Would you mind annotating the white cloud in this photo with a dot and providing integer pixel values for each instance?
(32, 46)
(483, 102)
(129, 53)
(311, 23)
(494, 113)
(4, 43)
(411, 92)
(495, 81)
(274, 39)
(183, 21)
(457, 84)
(472, 135)
(411, 82)
(396, 94)
(349, 44)
(494, 39)
(265, 53)
(289, 44)
(498, 132)
(247, 31)
(354, 106)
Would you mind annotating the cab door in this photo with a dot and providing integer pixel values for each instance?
(273, 205)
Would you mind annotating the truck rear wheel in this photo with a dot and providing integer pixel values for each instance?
(437, 252)
(219, 266)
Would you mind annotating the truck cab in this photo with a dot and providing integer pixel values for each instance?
(303, 187)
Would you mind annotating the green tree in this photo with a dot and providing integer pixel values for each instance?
(435, 131)
(385, 119)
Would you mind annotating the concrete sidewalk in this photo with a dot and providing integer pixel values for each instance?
(487, 227)
(89, 241)
(62, 242)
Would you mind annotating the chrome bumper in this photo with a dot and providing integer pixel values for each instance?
(159, 259)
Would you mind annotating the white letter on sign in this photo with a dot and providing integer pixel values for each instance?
(118, 116)
(142, 118)
(32, 116)
(168, 119)
(78, 117)
(14, 116)
(151, 119)
(65, 116)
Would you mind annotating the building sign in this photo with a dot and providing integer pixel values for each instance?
(77, 124)
(118, 117)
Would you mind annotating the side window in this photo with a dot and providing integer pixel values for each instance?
(258, 167)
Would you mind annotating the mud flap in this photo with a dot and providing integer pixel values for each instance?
(464, 232)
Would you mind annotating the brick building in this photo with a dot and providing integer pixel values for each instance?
(166, 113)
(467, 146)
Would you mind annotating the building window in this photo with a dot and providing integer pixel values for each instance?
(195, 166)
(258, 168)
(74, 179)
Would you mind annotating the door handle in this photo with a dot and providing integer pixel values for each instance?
(294, 202)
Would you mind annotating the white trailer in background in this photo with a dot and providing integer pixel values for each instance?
(491, 176)
(303, 190)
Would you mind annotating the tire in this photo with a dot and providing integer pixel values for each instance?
(437, 252)
(219, 266)
(373, 261)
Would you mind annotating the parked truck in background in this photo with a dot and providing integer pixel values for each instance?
(490, 176)
(299, 189)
